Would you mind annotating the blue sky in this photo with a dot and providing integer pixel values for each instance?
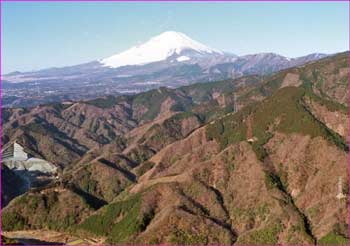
(42, 34)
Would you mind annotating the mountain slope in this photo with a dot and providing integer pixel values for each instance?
(13, 185)
(283, 183)
(255, 160)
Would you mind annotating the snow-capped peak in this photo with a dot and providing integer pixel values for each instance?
(158, 48)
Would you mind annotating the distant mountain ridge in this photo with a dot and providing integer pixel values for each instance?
(170, 59)
(168, 47)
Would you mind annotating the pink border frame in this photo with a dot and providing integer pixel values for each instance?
(145, 1)
(165, 1)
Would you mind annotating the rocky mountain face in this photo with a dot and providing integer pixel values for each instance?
(254, 160)
(170, 59)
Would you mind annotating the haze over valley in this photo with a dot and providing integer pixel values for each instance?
(170, 59)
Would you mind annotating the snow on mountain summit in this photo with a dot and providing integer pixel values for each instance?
(158, 48)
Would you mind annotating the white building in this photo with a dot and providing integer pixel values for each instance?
(14, 157)
(14, 152)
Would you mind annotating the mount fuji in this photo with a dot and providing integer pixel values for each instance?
(170, 59)
(168, 45)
